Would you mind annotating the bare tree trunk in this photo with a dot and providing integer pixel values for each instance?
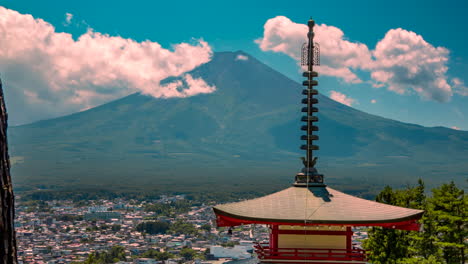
(7, 208)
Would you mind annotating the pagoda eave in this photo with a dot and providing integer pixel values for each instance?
(224, 219)
(315, 206)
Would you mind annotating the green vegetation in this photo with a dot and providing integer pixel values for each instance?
(68, 217)
(169, 209)
(153, 227)
(230, 244)
(154, 254)
(116, 227)
(115, 254)
(35, 206)
(190, 254)
(442, 239)
(158, 227)
(182, 227)
(206, 227)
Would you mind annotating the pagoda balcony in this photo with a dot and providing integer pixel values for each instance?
(266, 254)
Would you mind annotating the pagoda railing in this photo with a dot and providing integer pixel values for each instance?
(264, 252)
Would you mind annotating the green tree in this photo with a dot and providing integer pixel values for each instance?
(154, 254)
(182, 227)
(230, 244)
(424, 243)
(386, 245)
(153, 227)
(116, 227)
(188, 253)
(449, 209)
(419, 260)
(114, 254)
(390, 245)
(444, 227)
(206, 227)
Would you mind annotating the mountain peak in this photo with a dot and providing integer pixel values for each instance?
(251, 121)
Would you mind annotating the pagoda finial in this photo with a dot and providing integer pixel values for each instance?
(310, 57)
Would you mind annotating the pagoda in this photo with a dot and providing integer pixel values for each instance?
(310, 222)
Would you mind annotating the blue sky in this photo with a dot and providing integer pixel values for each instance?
(234, 25)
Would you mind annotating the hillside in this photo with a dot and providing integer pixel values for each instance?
(244, 134)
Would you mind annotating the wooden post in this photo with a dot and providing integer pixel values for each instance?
(7, 208)
(274, 237)
(349, 240)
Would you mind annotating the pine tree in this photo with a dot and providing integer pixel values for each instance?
(450, 214)
(387, 245)
(442, 239)
(398, 246)
(422, 245)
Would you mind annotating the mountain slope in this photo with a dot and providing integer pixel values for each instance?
(248, 127)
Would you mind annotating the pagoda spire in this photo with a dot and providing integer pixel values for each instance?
(310, 57)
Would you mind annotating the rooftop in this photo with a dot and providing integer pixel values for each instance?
(314, 205)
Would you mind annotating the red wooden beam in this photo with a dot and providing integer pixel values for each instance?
(309, 254)
(223, 220)
(314, 232)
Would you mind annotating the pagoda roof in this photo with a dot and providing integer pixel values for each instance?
(314, 205)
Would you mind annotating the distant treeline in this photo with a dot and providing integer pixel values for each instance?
(160, 227)
(85, 195)
(96, 194)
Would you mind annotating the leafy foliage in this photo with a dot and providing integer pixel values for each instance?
(169, 209)
(449, 207)
(154, 254)
(444, 227)
(182, 227)
(189, 254)
(115, 254)
(68, 217)
(206, 227)
(159, 227)
(153, 227)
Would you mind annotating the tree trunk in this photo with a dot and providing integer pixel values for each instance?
(7, 208)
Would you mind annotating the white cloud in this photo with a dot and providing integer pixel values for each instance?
(338, 55)
(342, 98)
(68, 19)
(459, 87)
(373, 101)
(242, 57)
(186, 87)
(402, 61)
(47, 73)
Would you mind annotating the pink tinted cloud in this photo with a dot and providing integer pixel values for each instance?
(373, 101)
(459, 87)
(63, 75)
(402, 61)
(186, 87)
(337, 54)
(405, 61)
(342, 98)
